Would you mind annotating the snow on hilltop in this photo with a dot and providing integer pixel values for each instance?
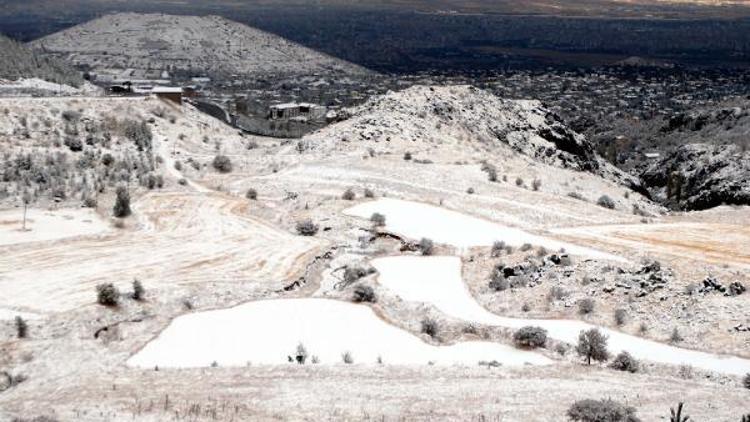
(206, 44)
(454, 123)
(20, 62)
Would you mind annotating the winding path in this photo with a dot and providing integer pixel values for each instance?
(437, 281)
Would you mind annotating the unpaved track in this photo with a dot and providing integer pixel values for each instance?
(716, 243)
(183, 238)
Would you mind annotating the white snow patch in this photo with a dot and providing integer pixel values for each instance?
(48, 225)
(266, 332)
(437, 281)
(9, 314)
(417, 220)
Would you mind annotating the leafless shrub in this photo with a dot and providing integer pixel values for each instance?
(556, 293)
(426, 246)
(430, 327)
(307, 228)
(676, 336)
(621, 316)
(586, 306)
(606, 202)
(138, 290)
(22, 329)
(377, 219)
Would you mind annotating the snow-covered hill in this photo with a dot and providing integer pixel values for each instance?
(191, 44)
(462, 123)
(20, 62)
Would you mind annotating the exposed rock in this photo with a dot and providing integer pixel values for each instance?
(700, 176)
(736, 288)
(711, 284)
(465, 118)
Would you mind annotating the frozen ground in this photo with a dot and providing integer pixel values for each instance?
(417, 220)
(8, 314)
(720, 243)
(437, 281)
(48, 225)
(266, 332)
(206, 254)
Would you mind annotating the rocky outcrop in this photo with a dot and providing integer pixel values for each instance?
(701, 176)
(466, 120)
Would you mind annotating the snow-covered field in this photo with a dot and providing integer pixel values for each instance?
(7, 314)
(48, 225)
(417, 220)
(267, 332)
(437, 281)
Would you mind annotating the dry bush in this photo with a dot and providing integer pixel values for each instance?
(530, 337)
(601, 411)
(307, 228)
(222, 164)
(107, 294)
(364, 293)
(625, 362)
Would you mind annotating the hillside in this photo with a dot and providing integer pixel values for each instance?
(458, 123)
(299, 273)
(149, 44)
(20, 62)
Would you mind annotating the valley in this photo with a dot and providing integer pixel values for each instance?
(216, 222)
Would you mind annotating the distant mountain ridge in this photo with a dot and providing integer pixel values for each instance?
(188, 45)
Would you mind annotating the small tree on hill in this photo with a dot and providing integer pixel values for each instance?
(746, 381)
(122, 203)
(306, 228)
(107, 294)
(530, 337)
(222, 164)
(592, 344)
(378, 220)
(625, 362)
(21, 327)
(364, 293)
(138, 290)
(426, 246)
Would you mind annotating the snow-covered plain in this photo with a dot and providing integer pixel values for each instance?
(417, 220)
(8, 314)
(437, 281)
(48, 225)
(266, 332)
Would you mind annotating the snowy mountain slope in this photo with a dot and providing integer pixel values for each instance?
(454, 123)
(18, 61)
(192, 44)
